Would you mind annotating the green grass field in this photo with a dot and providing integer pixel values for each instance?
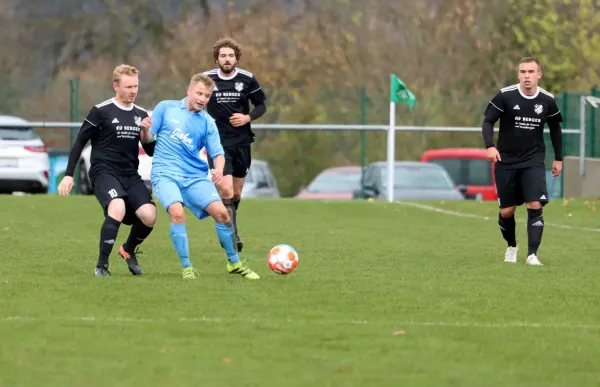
(384, 295)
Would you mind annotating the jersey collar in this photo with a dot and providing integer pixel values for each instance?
(528, 96)
(235, 72)
(117, 104)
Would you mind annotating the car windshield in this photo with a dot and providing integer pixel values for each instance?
(17, 134)
(418, 177)
(335, 182)
(467, 171)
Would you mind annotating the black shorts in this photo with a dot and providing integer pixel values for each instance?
(237, 161)
(130, 188)
(520, 185)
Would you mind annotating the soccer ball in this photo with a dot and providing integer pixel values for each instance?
(283, 259)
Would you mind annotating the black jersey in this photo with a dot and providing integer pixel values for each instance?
(522, 120)
(232, 95)
(115, 135)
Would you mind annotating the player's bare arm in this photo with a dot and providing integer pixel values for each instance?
(217, 172)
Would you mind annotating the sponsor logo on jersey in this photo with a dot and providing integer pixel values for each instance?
(178, 134)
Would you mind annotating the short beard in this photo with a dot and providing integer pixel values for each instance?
(227, 71)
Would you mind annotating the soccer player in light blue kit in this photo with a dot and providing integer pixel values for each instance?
(180, 177)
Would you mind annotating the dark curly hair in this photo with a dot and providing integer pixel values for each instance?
(229, 43)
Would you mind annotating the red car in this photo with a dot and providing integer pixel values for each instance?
(332, 183)
(469, 168)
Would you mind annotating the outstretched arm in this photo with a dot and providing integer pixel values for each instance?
(90, 125)
(86, 132)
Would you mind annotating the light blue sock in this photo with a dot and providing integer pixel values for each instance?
(180, 241)
(227, 239)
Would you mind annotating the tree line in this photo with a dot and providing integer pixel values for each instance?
(320, 61)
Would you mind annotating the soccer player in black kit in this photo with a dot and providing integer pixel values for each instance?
(115, 128)
(230, 108)
(523, 110)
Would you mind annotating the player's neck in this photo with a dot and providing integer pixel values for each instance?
(227, 76)
(530, 92)
(126, 105)
(189, 107)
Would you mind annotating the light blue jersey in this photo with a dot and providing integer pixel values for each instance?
(178, 172)
(180, 134)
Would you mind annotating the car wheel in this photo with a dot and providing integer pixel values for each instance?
(85, 187)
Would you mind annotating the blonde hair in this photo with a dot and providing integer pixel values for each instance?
(124, 69)
(228, 43)
(531, 59)
(202, 78)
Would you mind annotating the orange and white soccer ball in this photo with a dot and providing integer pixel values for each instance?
(283, 259)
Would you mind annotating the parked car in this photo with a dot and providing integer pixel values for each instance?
(412, 181)
(467, 167)
(24, 161)
(260, 181)
(333, 183)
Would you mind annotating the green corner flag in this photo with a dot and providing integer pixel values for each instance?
(399, 93)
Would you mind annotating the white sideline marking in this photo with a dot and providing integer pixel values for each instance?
(472, 216)
(215, 320)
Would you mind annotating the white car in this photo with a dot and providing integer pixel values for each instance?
(24, 161)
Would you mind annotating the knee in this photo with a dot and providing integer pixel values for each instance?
(222, 216)
(226, 192)
(147, 214)
(116, 209)
(534, 206)
(177, 214)
(507, 212)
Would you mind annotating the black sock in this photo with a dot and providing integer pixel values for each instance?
(108, 236)
(507, 227)
(236, 204)
(535, 229)
(139, 232)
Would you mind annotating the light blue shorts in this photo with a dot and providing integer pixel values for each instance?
(195, 193)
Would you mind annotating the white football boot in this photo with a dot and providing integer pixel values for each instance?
(533, 260)
(511, 254)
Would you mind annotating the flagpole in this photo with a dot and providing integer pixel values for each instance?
(391, 145)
